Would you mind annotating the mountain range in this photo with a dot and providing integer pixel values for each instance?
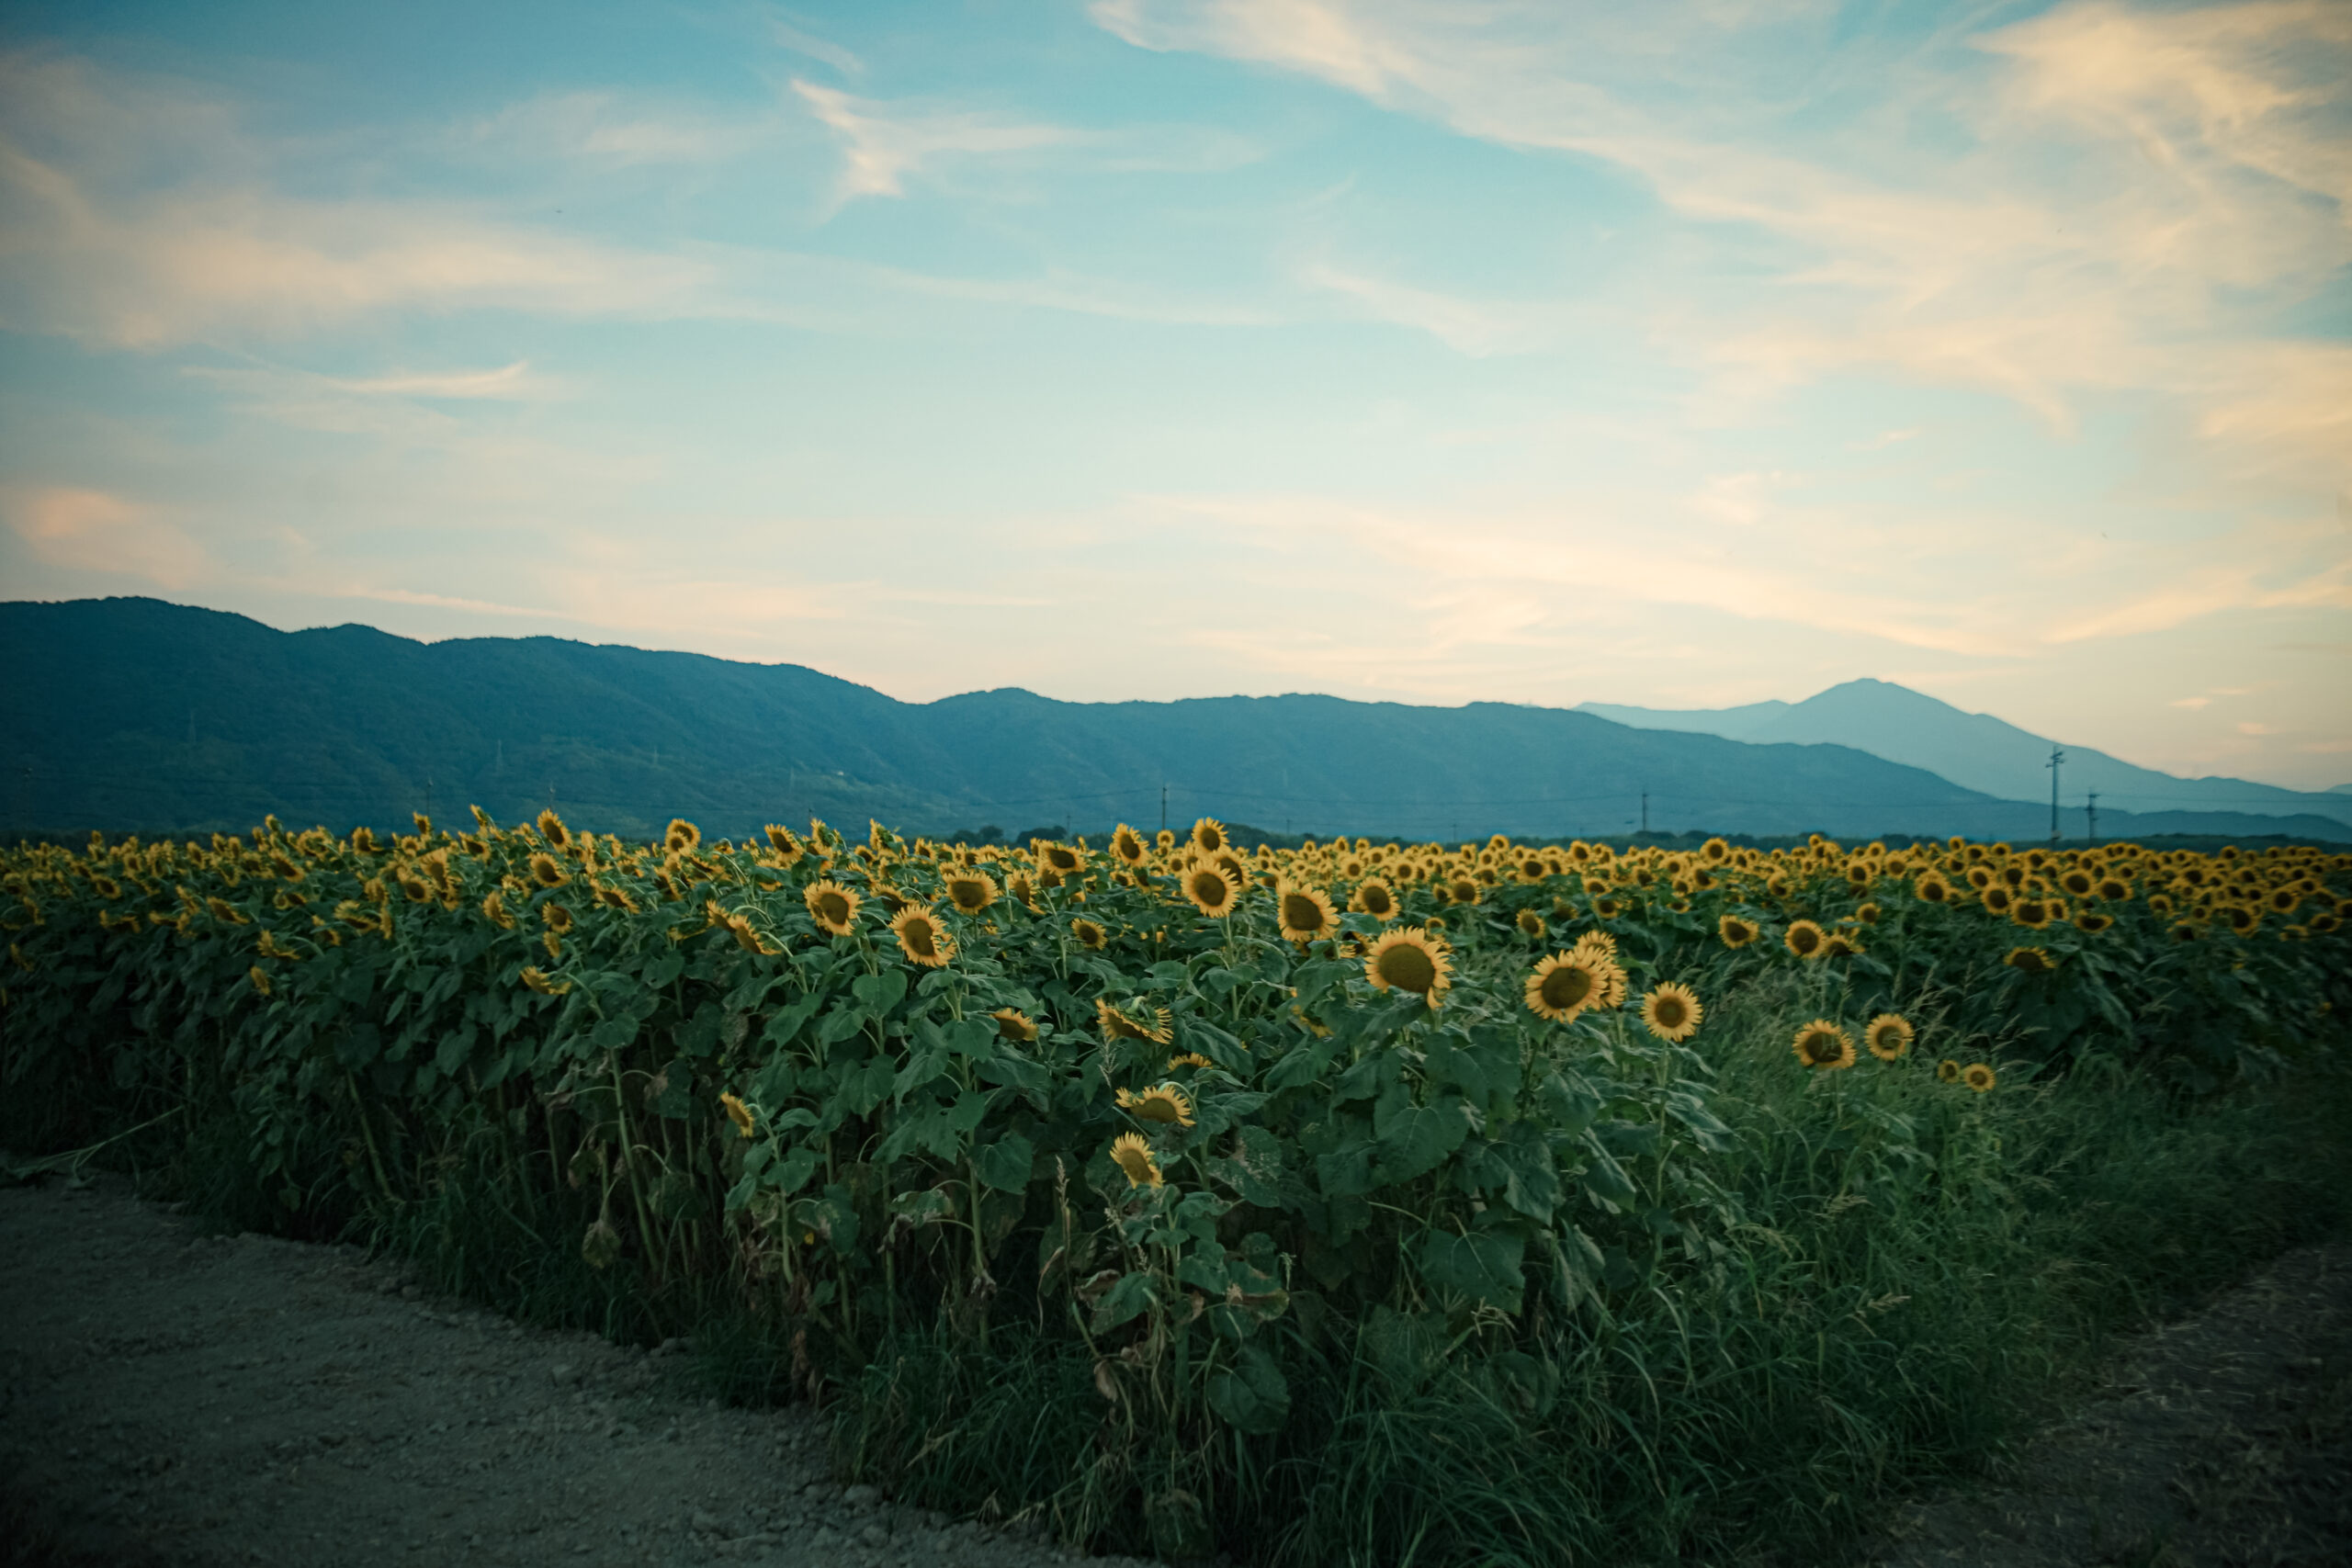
(1974, 751)
(137, 714)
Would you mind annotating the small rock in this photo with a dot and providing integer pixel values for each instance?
(861, 1496)
(874, 1535)
(409, 1293)
(563, 1374)
(702, 1520)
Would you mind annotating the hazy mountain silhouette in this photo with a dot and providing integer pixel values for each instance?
(133, 712)
(1973, 750)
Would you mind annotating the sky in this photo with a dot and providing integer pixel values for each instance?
(1427, 351)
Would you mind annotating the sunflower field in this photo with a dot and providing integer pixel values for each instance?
(1489, 1201)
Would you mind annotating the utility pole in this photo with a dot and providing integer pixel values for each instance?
(2057, 756)
(2090, 810)
(1163, 808)
(1645, 811)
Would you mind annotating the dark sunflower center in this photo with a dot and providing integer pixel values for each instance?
(1566, 985)
(1301, 913)
(921, 938)
(1375, 899)
(832, 907)
(1210, 887)
(1804, 940)
(1821, 1046)
(1408, 968)
(1672, 1013)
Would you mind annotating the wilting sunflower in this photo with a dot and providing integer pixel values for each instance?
(552, 829)
(920, 937)
(1304, 914)
(1374, 898)
(1091, 937)
(832, 906)
(1563, 984)
(548, 939)
(1208, 836)
(1163, 1103)
(1672, 1012)
(1411, 959)
(494, 909)
(1804, 938)
(1736, 932)
(682, 839)
(1531, 922)
(1211, 888)
(537, 981)
(1131, 1153)
(1822, 1045)
(259, 978)
(2029, 959)
(737, 1112)
(1015, 1025)
(1127, 846)
(1978, 1076)
(1888, 1036)
(1117, 1025)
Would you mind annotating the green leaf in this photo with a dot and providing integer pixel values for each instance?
(1416, 1139)
(1005, 1164)
(1255, 1168)
(878, 994)
(1252, 1396)
(1123, 1300)
(1484, 1264)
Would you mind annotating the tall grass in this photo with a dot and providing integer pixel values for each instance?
(1919, 1273)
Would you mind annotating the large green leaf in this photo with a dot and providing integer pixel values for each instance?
(1006, 1163)
(1416, 1139)
(1484, 1264)
(1252, 1395)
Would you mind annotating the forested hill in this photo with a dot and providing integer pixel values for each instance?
(137, 714)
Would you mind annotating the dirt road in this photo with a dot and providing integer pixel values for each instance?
(170, 1399)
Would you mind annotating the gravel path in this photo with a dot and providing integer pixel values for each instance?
(171, 1399)
(2223, 1439)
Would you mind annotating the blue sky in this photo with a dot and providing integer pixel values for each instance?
(1682, 355)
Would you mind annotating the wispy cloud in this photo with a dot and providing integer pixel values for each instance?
(800, 41)
(884, 145)
(90, 530)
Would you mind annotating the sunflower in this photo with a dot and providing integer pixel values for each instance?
(682, 839)
(538, 982)
(2031, 960)
(785, 842)
(1015, 1026)
(2034, 914)
(1117, 1025)
(1804, 938)
(1059, 860)
(1164, 1104)
(494, 909)
(2185, 931)
(1127, 846)
(1131, 1153)
(1411, 959)
(1672, 1012)
(2237, 917)
(547, 872)
(1822, 1045)
(1374, 898)
(552, 829)
(737, 1112)
(1998, 899)
(833, 905)
(1946, 1071)
(548, 939)
(1532, 924)
(1888, 1036)
(1462, 890)
(259, 978)
(2114, 890)
(1606, 908)
(557, 917)
(1867, 913)
(1213, 890)
(1304, 913)
(2092, 921)
(1735, 932)
(1091, 937)
(1978, 1076)
(1841, 944)
(1189, 1059)
(1563, 984)
(920, 938)
(2161, 904)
